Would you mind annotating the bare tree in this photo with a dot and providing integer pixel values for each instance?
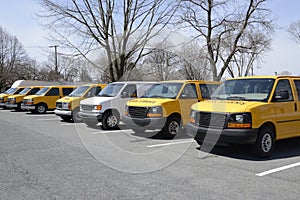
(14, 62)
(222, 25)
(255, 45)
(121, 28)
(294, 30)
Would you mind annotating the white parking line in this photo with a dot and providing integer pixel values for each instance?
(114, 131)
(170, 143)
(37, 115)
(49, 119)
(271, 171)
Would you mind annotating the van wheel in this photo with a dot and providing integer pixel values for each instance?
(171, 128)
(41, 108)
(265, 142)
(75, 116)
(110, 121)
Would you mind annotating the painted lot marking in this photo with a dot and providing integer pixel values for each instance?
(170, 143)
(49, 119)
(37, 115)
(114, 131)
(271, 171)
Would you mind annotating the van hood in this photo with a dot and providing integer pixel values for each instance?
(68, 99)
(16, 96)
(4, 95)
(224, 106)
(31, 96)
(95, 100)
(148, 102)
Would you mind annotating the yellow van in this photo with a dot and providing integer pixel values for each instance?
(166, 106)
(45, 99)
(11, 91)
(15, 101)
(68, 107)
(249, 110)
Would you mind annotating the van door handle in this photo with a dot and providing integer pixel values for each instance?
(296, 107)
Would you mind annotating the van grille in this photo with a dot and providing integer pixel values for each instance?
(59, 105)
(212, 120)
(86, 107)
(137, 112)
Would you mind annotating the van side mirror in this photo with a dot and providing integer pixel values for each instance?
(283, 95)
(124, 95)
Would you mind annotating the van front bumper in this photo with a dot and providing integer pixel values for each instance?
(90, 116)
(63, 112)
(2, 104)
(144, 123)
(27, 107)
(11, 105)
(222, 136)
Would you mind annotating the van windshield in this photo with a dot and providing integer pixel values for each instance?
(79, 91)
(257, 89)
(24, 91)
(111, 90)
(42, 91)
(163, 90)
(10, 91)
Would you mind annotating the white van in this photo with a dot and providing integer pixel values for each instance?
(108, 106)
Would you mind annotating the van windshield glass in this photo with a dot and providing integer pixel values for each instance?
(79, 91)
(111, 90)
(42, 91)
(245, 89)
(10, 91)
(24, 91)
(163, 90)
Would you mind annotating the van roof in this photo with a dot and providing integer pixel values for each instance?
(273, 77)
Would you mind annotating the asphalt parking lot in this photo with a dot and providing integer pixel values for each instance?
(42, 157)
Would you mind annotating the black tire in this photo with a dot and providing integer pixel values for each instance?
(40, 108)
(75, 116)
(171, 128)
(66, 118)
(18, 108)
(265, 142)
(110, 121)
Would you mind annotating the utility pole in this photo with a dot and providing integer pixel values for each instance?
(56, 62)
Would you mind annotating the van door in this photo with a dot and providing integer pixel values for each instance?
(129, 92)
(186, 99)
(297, 87)
(51, 97)
(286, 110)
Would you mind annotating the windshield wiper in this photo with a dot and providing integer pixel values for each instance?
(236, 98)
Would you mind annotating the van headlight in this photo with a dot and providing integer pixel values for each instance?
(239, 120)
(155, 111)
(97, 107)
(193, 114)
(66, 106)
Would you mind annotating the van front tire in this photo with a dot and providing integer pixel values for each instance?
(265, 142)
(110, 121)
(40, 108)
(171, 128)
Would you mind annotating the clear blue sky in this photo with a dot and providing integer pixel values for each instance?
(18, 18)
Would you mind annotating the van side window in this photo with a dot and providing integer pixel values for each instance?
(53, 92)
(93, 91)
(129, 92)
(67, 91)
(207, 90)
(189, 92)
(283, 85)
(33, 91)
(297, 83)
